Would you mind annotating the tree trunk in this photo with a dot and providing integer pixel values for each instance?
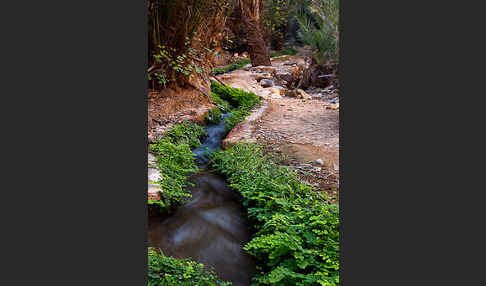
(252, 11)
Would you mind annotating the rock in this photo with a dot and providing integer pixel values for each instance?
(290, 64)
(332, 95)
(154, 194)
(263, 69)
(235, 55)
(280, 89)
(266, 83)
(244, 54)
(304, 94)
(334, 106)
(285, 76)
(291, 93)
(319, 162)
(259, 77)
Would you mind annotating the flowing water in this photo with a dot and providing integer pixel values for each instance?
(211, 227)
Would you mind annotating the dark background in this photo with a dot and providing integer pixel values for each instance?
(73, 102)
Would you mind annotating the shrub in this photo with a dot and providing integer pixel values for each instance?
(185, 133)
(175, 163)
(296, 233)
(223, 105)
(213, 116)
(238, 98)
(241, 101)
(168, 271)
(175, 160)
(319, 29)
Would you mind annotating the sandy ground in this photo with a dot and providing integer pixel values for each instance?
(302, 134)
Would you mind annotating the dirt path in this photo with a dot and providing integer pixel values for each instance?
(303, 134)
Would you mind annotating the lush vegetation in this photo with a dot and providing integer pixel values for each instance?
(175, 160)
(186, 133)
(234, 66)
(319, 22)
(168, 271)
(213, 116)
(296, 233)
(241, 102)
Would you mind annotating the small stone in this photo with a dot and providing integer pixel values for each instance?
(266, 83)
(319, 162)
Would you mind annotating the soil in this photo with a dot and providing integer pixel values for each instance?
(303, 132)
(295, 131)
(175, 106)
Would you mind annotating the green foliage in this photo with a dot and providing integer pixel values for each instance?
(296, 233)
(213, 116)
(319, 28)
(241, 101)
(176, 63)
(287, 51)
(168, 271)
(223, 105)
(276, 16)
(185, 133)
(175, 161)
(238, 98)
(234, 66)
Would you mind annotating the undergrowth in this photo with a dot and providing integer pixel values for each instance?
(185, 133)
(296, 233)
(239, 102)
(213, 116)
(234, 66)
(168, 271)
(176, 161)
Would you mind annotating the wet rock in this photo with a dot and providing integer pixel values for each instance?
(266, 83)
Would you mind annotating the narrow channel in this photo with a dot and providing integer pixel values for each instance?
(212, 226)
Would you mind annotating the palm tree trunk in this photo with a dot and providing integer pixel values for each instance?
(252, 11)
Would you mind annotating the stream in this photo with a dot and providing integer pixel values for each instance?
(212, 226)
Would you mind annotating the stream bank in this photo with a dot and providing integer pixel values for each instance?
(212, 226)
